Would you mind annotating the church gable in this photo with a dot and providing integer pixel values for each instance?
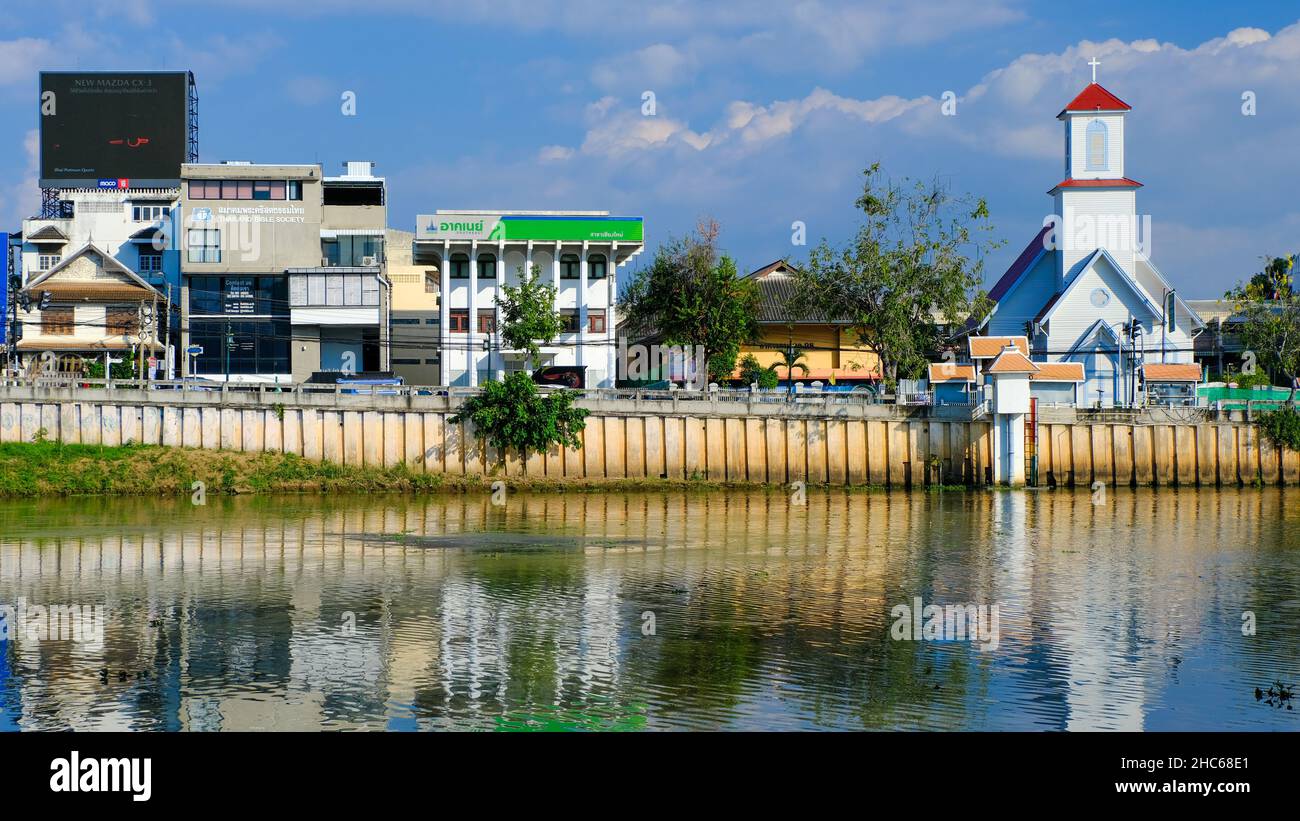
(90, 266)
(1100, 291)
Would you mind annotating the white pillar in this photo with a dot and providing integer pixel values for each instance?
(1016, 449)
(611, 265)
(499, 366)
(998, 461)
(471, 343)
(582, 309)
(555, 273)
(444, 315)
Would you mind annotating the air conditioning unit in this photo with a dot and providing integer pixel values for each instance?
(368, 262)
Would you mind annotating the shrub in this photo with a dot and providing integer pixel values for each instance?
(1281, 426)
(514, 415)
(751, 372)
(1258, 379)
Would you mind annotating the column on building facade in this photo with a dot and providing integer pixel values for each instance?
(471, 341)
(499, 366)
(611, 266)
(555, 270)
(444, 315)
(185, 329)
(528, 272)
(556, 253)
(582, 309)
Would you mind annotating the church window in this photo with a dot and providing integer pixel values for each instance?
(1096, 146)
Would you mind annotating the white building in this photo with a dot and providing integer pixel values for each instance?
(476, 253)
(132, 234)
(1085, 289)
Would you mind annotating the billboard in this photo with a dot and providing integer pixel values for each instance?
(113, 129)
(542, 228)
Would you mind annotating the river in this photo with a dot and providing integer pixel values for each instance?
(1144, 609)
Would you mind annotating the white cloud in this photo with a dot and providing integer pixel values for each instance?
(1209, 171)
(554, 153)
(311, 89)
(22, 198)
(17, 58)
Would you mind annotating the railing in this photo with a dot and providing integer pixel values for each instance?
(777, 396)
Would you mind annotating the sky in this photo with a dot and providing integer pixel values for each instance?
(765, 113)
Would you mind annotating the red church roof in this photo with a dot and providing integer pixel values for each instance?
(1120, 182)
(1095, 98)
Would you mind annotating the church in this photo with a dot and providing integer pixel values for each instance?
(1085, 289)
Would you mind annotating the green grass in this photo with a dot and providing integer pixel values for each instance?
(47, 468)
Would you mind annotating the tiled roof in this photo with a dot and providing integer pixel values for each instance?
(1121, 182)
(1058, 372)
(1018, 267)
(48, 233)
(987, 347)
(93, 291)
(776, 285)
(1171, 373)
(1096, 98)
(1012, 361)
(149, 233)
(948, 372)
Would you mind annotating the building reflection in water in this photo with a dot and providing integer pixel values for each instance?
(630, 611)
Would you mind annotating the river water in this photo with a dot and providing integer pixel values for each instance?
(1145, 609)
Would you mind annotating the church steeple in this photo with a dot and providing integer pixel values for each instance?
(1096, 202)
(1094, 133)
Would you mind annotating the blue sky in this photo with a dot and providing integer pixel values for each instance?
(766, 112)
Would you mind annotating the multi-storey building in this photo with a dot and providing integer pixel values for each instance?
(414, 324)
(477, 253)
(282, 271)
(109, 251)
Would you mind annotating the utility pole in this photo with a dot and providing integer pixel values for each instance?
(789, 367)
(139, 336)
(167, 335)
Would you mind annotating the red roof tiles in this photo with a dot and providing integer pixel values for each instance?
(1096, 98)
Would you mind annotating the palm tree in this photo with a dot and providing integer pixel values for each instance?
(789, 359)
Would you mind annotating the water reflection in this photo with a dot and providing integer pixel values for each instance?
(448, 612)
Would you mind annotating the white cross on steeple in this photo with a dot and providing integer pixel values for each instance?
(1094, 62)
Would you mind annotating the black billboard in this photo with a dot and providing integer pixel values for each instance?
(113, 129)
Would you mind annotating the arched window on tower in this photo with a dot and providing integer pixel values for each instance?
(1096, 146)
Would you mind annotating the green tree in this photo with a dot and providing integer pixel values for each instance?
(1269, 309)
(693, 296)
(916, 258)
(515, 415)
(751, 372)
(528, 316)
(791, 358)
(123, 369)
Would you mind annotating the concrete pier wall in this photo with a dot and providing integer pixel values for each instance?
(718, 441)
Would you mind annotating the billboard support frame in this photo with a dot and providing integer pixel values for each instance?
(192, 110)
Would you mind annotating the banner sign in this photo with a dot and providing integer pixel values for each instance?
(523, 227)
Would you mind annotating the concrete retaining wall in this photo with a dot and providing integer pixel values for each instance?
(773, 443)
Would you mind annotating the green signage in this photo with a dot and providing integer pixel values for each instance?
(523, 227)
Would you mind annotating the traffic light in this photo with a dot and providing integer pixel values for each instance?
(24, 300)
(46, 296)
